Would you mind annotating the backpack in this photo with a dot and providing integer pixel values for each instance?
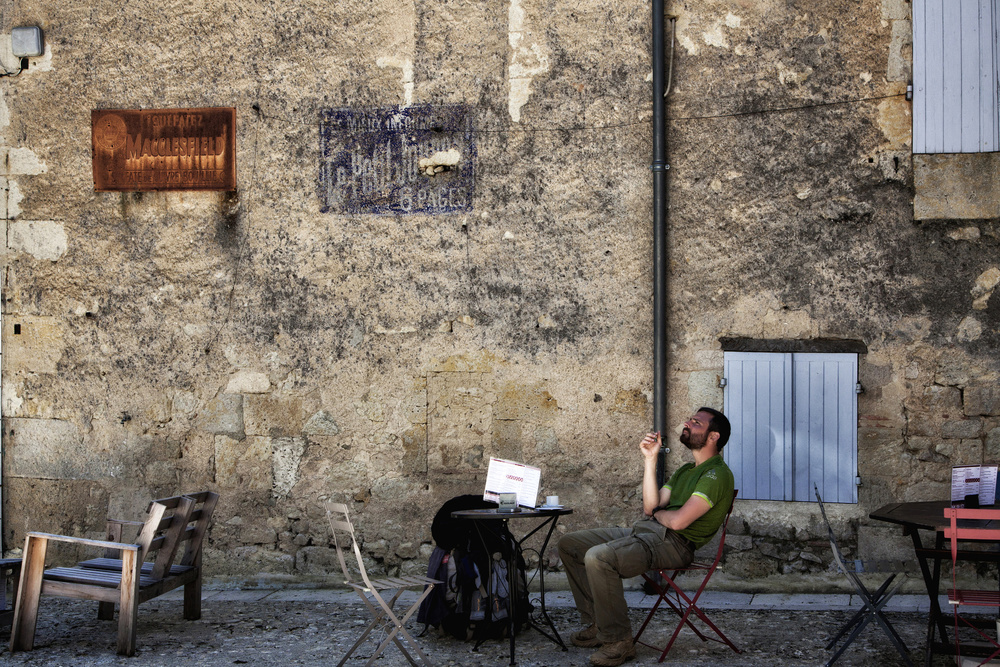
(463, 606)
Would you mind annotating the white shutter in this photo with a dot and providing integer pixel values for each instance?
(955, 76)
(795, 423)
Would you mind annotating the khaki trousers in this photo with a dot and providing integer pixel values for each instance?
(597, 560)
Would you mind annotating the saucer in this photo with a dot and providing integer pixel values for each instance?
(549, 507)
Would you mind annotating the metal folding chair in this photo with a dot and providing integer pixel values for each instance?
(370, 591)
(874, 603)
(972, 597)
(664, 584)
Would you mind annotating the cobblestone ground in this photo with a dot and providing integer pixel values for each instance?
(318, 633)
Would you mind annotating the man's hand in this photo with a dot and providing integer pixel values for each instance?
(652, 495)
(650, 445)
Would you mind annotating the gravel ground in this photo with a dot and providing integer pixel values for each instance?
(318, 633)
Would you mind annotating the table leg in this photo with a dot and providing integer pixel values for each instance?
(511, 576)
(932, 582)
(511, 587)
(541, 583)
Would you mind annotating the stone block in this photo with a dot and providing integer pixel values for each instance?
(321, 423)
(195, 465)
(992, 445)
(789, 324)
(546, 441)
(963, 186)
(516, 401)
(923, 424)
(943, 400)
(42, 239)
(286, 456)
(40, 505)
(162, 474)
(918, 443)
(982, 401)
(953, 366)
(415, 450)
(878, 542)
(244, 464)
(739, 542)
(961, 428)
(257, 533)
(703, 388)
(248, 382)
(945, 448)
(459, 421)
(54, 449)
(267, 414)
(318, 560)
(33, 344)
(24, 161)
(968, 452)
(223, 415)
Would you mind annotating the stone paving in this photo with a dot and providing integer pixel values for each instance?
(314, 627)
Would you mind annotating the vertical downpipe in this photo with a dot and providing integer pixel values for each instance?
(659, 168)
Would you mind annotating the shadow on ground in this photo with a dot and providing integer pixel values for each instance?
(318, 633)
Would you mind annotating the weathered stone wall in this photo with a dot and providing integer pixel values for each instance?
(254, 344)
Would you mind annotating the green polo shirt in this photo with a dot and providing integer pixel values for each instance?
(712, 481)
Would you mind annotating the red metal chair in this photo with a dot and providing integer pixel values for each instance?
(680, 602)
(986, 529)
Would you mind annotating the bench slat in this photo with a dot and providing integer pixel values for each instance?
(115, 564)
(79, 575)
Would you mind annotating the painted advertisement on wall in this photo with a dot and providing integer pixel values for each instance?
(397, 160)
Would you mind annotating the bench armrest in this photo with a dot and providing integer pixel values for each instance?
(120, 546)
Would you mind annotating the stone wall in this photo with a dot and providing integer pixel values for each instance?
(268, 345)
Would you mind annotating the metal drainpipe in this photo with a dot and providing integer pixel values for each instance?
(659, 168)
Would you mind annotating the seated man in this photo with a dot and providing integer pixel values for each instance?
(683, 515)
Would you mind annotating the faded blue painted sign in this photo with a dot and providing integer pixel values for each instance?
(417, 159)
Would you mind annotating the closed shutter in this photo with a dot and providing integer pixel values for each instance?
(758, 403)
(825, 447)
(794, 419)
(955, 76)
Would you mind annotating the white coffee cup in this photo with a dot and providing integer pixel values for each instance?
(551, 500)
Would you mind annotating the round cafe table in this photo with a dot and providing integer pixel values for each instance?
(486, 519)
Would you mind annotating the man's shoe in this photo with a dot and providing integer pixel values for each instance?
(586, 638)
(614, 654)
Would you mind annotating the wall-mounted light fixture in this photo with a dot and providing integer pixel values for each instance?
(26, 42)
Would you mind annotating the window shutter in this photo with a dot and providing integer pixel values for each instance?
(955, 76)
(759, 407)
(795, 423)
(825, 448)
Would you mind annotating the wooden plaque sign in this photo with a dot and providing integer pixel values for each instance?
(164, 149)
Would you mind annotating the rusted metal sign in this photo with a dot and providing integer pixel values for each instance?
(164, 149)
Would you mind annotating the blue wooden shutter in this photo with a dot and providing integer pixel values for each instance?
(795, 423)
(825, 447)
(758, 403)
(955, 76)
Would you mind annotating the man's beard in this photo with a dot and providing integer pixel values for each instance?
(693, 445)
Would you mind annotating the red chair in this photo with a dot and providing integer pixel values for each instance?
(986, 529)
(681, 603)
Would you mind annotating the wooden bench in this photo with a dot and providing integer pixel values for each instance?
(128, 579)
